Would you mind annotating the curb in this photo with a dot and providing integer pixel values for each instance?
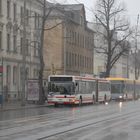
(21, 108)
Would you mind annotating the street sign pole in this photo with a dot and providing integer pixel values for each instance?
(1, 78)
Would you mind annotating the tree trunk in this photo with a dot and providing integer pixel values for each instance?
(41, 91)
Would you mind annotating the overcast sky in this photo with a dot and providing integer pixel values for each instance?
(133, 7)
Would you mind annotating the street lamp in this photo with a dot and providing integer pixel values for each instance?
(23, 57)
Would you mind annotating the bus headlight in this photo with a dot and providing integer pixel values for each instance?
(120, 96)
(71, 100)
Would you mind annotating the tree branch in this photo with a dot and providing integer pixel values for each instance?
(53, 26)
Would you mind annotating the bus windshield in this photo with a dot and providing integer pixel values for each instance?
(117, 88)
(66, 88)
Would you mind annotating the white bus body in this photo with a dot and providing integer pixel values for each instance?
(66, 89)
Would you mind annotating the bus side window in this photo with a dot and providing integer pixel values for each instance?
(49, 86)
(76, 87)
(124, 88)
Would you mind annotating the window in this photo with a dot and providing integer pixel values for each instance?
(21, 14)
(70, 63)
(38, 20)
(35, 20)
(15, 43)
(85, 62)
(72, 59)
(27, 47)
(15, 11)
(36, 48)
(21, 76)
(36, 73)
(21, 45)
(75, 59)
(8, 8)
(82, 87)
(0, 7)
(8, 42)
(27, 17)
(15, 77)
(67, 58)
(58, 79)
(27, 73)
(78, 61)
(81, 20)
(0, 40)
(78, 39)
(8, 73)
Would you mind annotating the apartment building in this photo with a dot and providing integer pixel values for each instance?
(12, 17)
(68, 46)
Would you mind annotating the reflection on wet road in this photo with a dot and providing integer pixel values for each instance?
(110, 121)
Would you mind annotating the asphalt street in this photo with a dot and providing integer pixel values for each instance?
(112, 121)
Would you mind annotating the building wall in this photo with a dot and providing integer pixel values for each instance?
(120, 69)
(80, 45)
(99, 41)
(11, 29)
(53, 48)
(68, 48)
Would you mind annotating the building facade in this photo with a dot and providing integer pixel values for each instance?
(121, 67)
(68, 46)
(134, 64)
(13, 14)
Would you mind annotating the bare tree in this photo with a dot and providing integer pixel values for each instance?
(136, 54)
(136, 63)
(110, 16)
(46, 13)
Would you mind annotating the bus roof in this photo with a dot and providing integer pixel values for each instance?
(117, 79)
(81, 77)
(75, 77)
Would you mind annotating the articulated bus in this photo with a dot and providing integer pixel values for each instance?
(123, 88)
(66, 89)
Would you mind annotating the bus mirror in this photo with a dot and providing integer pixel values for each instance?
(76, 84)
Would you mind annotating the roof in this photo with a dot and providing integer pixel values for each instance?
(71, 7)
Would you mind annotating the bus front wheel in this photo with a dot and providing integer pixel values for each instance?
(56, 105)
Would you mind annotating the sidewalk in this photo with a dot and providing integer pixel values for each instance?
(15, 105)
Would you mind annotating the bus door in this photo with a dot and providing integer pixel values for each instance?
(97, 91)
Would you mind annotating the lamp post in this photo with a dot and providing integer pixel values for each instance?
(1, 72)
(135, 57)
(136, 75)
(24, 57)
(64, 48)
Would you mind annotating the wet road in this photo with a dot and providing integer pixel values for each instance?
(115, 121)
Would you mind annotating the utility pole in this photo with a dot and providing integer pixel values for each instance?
(23, 56)
(136, 73)
(64, 40)
(1, 94)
